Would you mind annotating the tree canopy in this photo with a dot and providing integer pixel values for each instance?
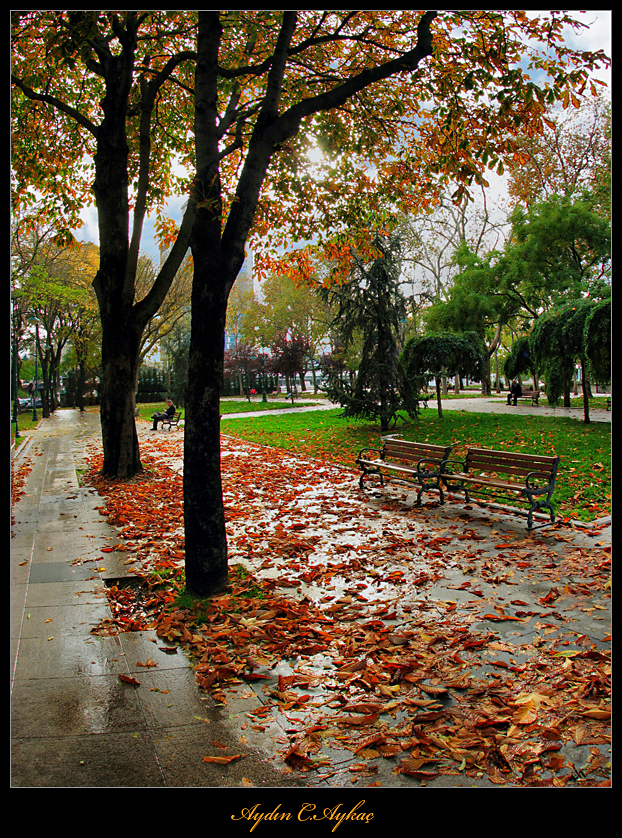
(562, 337)
(400, 103)
(438, 355)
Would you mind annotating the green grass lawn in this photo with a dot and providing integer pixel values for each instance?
(146, 411)
(24, 423)
(583, 488)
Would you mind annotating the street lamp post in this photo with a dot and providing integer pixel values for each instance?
(35, 321)
(15, 382)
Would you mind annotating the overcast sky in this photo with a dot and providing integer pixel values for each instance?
(596, 36)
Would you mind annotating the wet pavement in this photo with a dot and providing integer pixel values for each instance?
(76, 717)
(90, 710)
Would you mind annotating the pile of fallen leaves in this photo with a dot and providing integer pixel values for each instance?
(388, 657)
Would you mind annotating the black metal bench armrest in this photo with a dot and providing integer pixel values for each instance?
(366, 450)
(445, 463)
(540, 489)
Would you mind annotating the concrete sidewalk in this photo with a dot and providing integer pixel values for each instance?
(74, 721)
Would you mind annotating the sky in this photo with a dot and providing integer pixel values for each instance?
(596, 36)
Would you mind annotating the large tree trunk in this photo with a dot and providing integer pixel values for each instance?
(204, 516)
(119, 367)
(585, 386)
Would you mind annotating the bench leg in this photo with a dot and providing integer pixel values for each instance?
(425, 489)
(535, 507)
(458, 488)
(426, 486)
(368, 473)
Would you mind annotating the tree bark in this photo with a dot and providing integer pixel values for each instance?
(585, 387)
(204, 515)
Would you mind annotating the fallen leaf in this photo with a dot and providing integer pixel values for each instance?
(223, 760)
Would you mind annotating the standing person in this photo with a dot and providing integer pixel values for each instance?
(158, 417)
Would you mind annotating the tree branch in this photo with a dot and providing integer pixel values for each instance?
(149, 91)
(61, 106)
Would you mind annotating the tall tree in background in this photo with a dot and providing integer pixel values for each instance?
(435, 356)
(392, 98)
(559, 340)
(370, 303)
(288, 308)
(570, 157)
(90, 119)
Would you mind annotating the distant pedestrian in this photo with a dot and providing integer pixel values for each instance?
(159, 417)
(516, 391)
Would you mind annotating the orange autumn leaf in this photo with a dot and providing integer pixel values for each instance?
(223, 760)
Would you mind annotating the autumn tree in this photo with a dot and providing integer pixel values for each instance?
(241, 361)
(285, 308)
(393, 99)
(175, 307)
(81, 315)
(289, 353)
(52, 288)
(90, 119)
(570, 157)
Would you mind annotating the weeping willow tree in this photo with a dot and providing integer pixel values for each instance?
(436, 355)
(568, 335)
(597, 341)
(520, 361)
(369, 306)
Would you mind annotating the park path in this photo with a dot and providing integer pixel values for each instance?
(494, 404)
(79, 720)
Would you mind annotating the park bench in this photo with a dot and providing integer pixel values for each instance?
(482, 467)
(530, 395)
(411, 462)
(171, 421)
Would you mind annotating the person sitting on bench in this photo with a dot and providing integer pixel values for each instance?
(158, 417)
(516, 391)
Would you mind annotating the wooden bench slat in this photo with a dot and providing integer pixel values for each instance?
(511, 455)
